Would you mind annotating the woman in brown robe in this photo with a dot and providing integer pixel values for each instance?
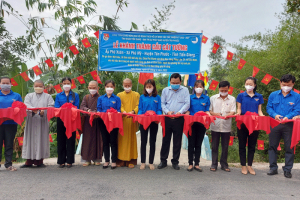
(92, 146)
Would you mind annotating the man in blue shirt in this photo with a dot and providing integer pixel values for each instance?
(282, 105)
(175, 100)
(8, 128)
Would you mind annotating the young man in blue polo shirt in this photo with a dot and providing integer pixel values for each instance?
(282, 105)
(8, 128)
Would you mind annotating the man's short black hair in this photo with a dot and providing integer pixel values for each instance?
(4, 77)
(224, 84)
(287, 78)
(175, 75)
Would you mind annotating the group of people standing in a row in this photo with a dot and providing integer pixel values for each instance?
(175, 99)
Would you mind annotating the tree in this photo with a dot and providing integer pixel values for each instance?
(218, 64)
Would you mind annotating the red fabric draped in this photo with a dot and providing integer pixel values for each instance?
(146, 119)
(255, 122)
(70, 117)
(189, 120)
(16, 114)
(111, 120)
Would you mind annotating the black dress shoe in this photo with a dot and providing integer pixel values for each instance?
(69, 166)
(61, 166)
(198, 169)
(26, 166)
(175, 166)
(162, 165)
(105, 167)
(287, 174)
(113, 167)
(41, 166)
(272, 172)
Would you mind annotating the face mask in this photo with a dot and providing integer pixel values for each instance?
(127, 89)
(5, 87)
(286, 88)
(93, 92)
(198, 90)
(109, 90)
(223, 93)
(66, 87)
(175, 86)
(249, 88)
(38, 90)
(149, 90)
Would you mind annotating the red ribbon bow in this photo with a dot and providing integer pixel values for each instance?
(18, 104)
(109, 111)
(68, 105)
(150, 113)
(200, 113)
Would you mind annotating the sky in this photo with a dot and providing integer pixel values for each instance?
(231, 19)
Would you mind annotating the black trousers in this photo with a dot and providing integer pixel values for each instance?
(65, 146)
(284, 131)
(175, 127)
(7, 134)
(225, 136)
(109, 139)
(144, 137)
(195, 142)
(243, 135)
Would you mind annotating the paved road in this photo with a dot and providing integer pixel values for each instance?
(123, 183)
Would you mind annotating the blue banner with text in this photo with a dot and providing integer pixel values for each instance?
(149, 52)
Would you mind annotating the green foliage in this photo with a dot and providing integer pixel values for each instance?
(160, 18)
(293, 6)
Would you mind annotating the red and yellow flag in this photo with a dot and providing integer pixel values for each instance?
(57, 88)
(13, 82)
(231, 140)
(77, 135)
(241, 64)
(143, 77)
(73, 84)
(20, 140)
(24, 76)
(266, 80)
(86, 43)
(74, 49)
(260, 145)
(49, 62)
(37, 70)
(81, 79)
(199, 76)
(215, 48)
(213, 85)
(50, 138)
(60, 55)
(204, 39)
(96, 77)
(97, 34)
(229, 55)
(255, 71)
(230, 90)
(297, 91)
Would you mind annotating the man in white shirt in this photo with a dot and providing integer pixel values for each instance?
(223, 105)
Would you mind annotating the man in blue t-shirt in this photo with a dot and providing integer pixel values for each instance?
(282, 105)
(8, 129)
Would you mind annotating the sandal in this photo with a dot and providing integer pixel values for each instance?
(131, 166)
(86, 164)
(226, 169)
(97, 163)
(11, 168)
(213, 169)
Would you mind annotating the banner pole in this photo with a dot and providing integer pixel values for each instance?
(200, 50)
